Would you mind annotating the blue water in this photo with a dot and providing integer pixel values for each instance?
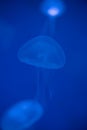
(21, 21)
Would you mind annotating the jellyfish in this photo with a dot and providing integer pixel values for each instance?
(53, 9)
(42, 51)
(22, 115)
(45, 54)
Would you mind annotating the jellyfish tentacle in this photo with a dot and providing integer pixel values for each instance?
(47, 83)
(38, 85)
(40, 89)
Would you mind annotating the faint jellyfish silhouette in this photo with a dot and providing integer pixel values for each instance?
(22, 115)
(42, 51)
(7, 34)
(45, 54)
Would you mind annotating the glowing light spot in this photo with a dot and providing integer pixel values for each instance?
(53, 11)
(53, 8)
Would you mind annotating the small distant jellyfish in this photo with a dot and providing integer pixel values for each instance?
(53, 8)
(44, 53)
(22, 115)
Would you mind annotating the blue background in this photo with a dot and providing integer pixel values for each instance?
(19, 22)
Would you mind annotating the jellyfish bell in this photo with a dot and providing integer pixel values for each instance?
(42, 51)
(22, 115)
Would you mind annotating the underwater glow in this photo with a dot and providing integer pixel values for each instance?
(53, 11)
(42, 51)
(22, 115)
(52, 7)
